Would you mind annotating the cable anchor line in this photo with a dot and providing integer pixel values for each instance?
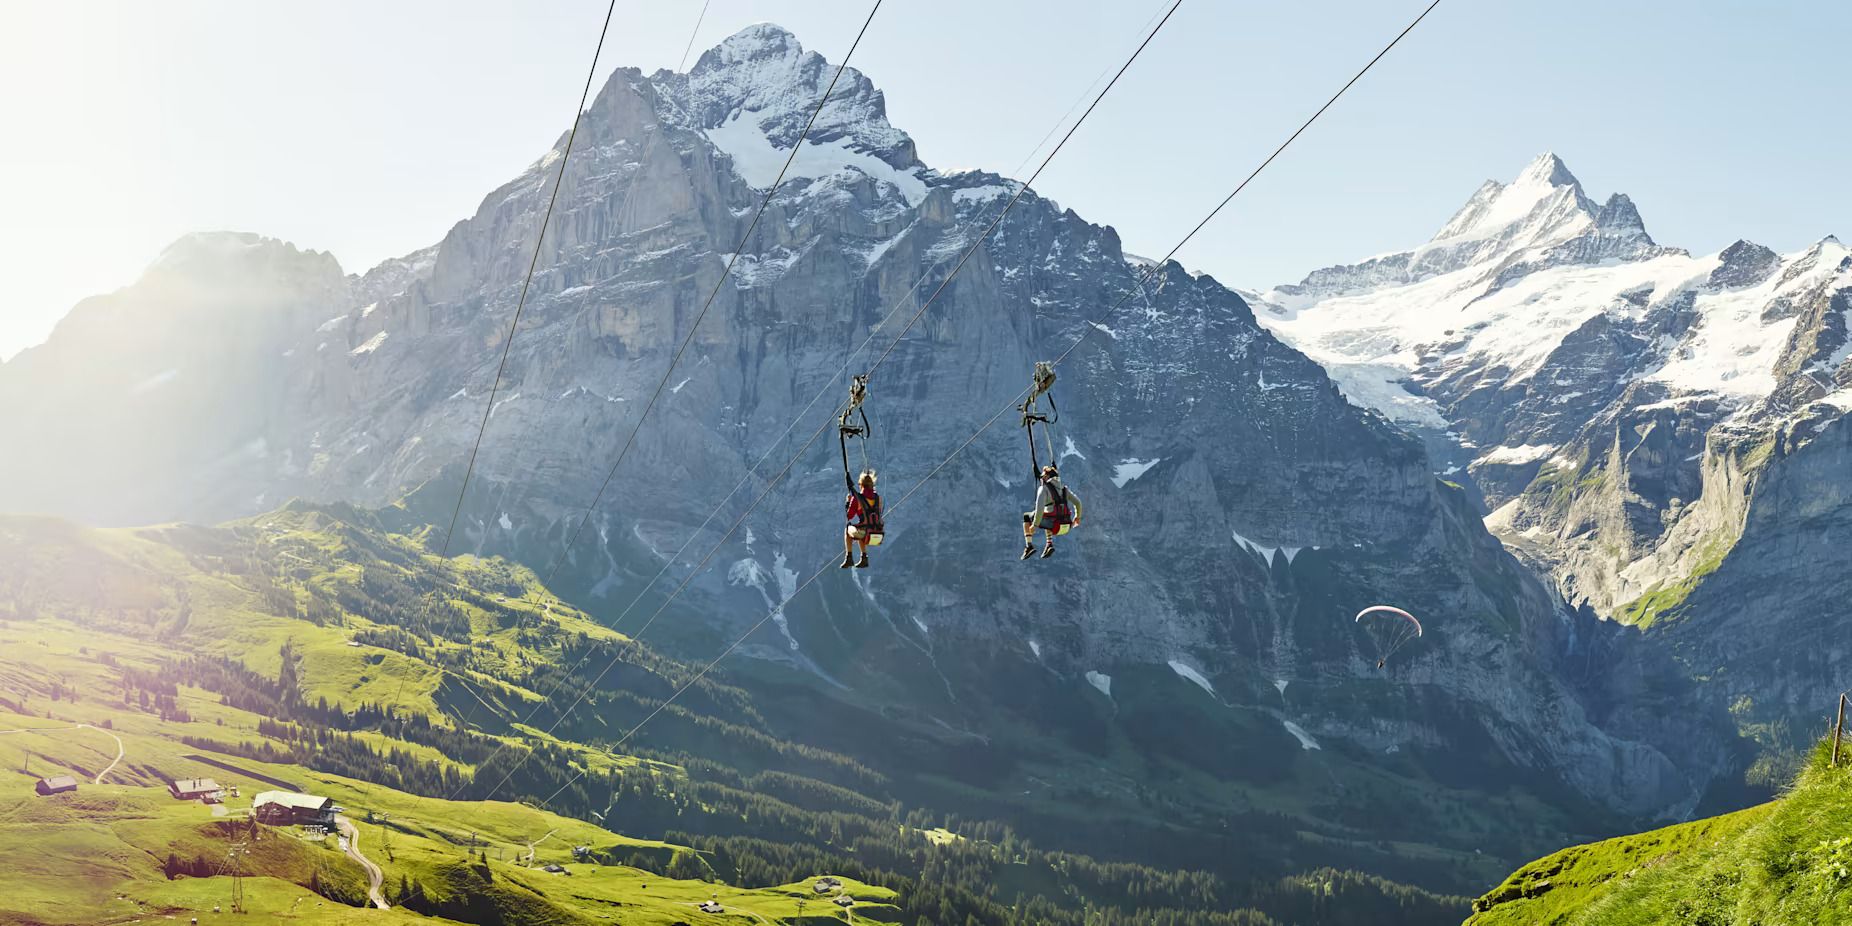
(688, 339)
(1023, 397)
(514, 324)
(963, 259)
(816, 397)
(1138, 287)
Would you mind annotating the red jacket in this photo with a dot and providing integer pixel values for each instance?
(864, 510)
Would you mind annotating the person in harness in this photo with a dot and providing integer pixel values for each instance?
(864, 513)
(1053, 513)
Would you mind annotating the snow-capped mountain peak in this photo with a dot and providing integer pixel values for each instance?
(1541, 219)
(757, 40)
(1534, 310)
(1828, 250)
(753, 94)
(1546, 199)
(1547, 170)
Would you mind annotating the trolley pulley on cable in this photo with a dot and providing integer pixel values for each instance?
(1057, 508)
(862, 509)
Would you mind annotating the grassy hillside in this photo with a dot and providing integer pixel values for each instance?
(115, 852)
(1785, 862)
(429, 696)
(121, 848)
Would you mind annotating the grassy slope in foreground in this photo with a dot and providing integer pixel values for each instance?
(1785, 862)
(121, 849)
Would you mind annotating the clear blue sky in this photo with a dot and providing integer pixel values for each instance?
(367, 129)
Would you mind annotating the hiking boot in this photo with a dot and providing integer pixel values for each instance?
(848, 559)
(1027, 551)
(863, 563)
(1049, 550)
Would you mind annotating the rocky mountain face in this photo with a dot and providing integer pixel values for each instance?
(1239, 509)
(1665, 433)
(169, 398)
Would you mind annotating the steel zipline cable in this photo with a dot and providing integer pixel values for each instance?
(753, 471)
(880, 326)
(560, 560)
(688, 339)
(520, 305)
(786, 469)
(540, 239)
(818, 573)
(558, 563)
(693, 326)
(971, 249)
(1149, 272)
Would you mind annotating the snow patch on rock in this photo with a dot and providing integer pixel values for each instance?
(1518, 456)
(372, 344)
(1128, 470)
(1185, 670)
(757, 160)
(1305, 739)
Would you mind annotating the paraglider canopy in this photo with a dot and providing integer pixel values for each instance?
(1389, 629)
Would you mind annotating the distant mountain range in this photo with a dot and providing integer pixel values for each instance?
(1189, 656)
(1667, 435)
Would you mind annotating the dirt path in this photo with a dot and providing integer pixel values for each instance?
(120, 750)
(374, 875)
(531, 845)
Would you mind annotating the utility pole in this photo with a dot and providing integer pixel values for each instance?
(1839, 726)
(237, 873)
(385, 836)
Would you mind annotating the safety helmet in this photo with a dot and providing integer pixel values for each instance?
(1050, 470)
(868, 477)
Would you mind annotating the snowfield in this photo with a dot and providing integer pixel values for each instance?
(757, 159)
(1515, 273)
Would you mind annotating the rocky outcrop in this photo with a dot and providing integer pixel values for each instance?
(169, 397)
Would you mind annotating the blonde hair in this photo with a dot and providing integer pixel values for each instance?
(868, 478)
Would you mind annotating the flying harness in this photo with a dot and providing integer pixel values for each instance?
(864, 511)
(1065, 514)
